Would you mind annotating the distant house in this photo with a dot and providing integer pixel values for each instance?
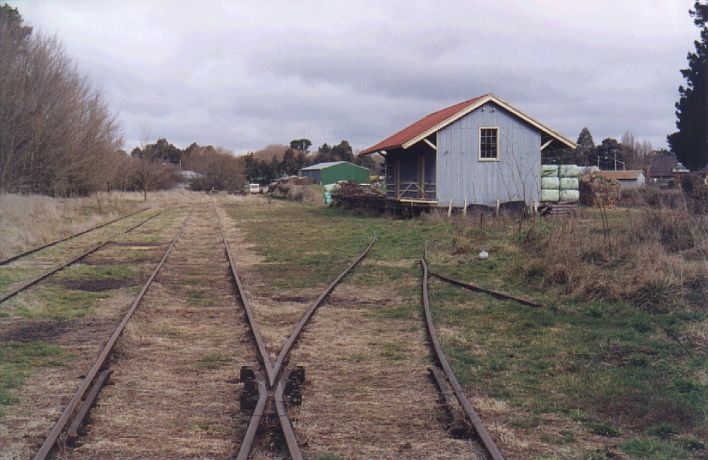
(334, 171)
(480, 151)
(661, 168)
(626, 179)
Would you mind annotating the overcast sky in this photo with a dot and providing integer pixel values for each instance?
(246, 74)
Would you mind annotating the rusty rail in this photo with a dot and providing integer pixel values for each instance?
(83, 232)
(441, 358)
(273, 387)
(78, 398)
(497, 294)
(240, 291)
(297, 330)
(33, 281)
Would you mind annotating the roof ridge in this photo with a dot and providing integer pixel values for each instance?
(468, 101)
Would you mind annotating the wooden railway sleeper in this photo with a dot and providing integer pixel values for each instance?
(72, 435)
(251, 393)
(293, 385)
(457, 425)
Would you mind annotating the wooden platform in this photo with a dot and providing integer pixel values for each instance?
(563, 208)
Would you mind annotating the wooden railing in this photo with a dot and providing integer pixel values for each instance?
(412, 191)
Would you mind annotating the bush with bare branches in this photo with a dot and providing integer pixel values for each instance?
(57, 135)
(218, 169)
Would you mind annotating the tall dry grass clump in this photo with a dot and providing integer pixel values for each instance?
(31, 220)
(653, 257)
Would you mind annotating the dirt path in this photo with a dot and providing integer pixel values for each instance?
(175, 392)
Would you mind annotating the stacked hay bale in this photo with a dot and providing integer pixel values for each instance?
(559, 183)
(598, 191)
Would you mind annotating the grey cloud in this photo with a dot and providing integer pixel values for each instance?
(247, 74)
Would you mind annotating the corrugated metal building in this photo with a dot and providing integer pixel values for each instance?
(334, 171)
(480, 151)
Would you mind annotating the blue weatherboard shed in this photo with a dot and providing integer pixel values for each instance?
(480, 151)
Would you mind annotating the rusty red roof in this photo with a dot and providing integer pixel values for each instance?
(437, 120)
(628, 174)
(419, 127)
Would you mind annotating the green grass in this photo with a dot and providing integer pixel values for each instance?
(653, 449)
(393, 351)
(17, 360)
(12, 275)
(199, 298)
(213, 361)
(55, 303)
(609, 367)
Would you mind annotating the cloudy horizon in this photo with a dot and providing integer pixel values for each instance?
(242, 76)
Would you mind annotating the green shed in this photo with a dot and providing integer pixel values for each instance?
(334, 171)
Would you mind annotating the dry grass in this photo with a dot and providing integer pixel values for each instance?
(653, 258)
(31, 220)
(372, 399)
(296, 192)
(174, 394)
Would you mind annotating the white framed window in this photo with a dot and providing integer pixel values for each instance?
(488, 144)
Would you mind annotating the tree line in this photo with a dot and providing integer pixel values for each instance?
(267, 165)
(57, 135)
(219, 169)
(627, 153)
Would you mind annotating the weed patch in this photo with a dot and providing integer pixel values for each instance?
(16, 361)
(213, 361)
(55, 303)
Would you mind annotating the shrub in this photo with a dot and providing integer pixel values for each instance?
(652, 257)
(656, 295)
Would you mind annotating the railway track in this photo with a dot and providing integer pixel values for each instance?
(446, 381)
(76, 410)
(270, 388)
(269, 381)
(31, 282)
(70, 237)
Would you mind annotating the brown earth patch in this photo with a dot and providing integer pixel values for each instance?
(100, 284)
(27, 331)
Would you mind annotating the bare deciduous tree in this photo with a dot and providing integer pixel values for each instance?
(57, 135)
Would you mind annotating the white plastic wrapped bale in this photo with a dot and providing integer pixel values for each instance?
(569, 183)
(550, 195)
(569, 171)
(569, 195)
(549, 170)
(550, 183)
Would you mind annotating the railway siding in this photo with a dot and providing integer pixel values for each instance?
(50, 334)
(178, 360)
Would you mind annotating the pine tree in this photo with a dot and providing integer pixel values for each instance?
(690, 142)
(586, 147)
